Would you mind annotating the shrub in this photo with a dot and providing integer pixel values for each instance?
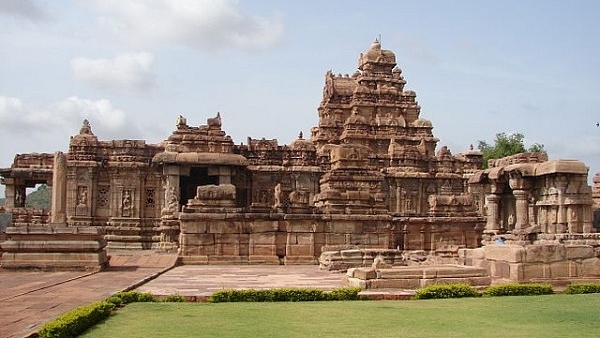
(446, 291)
(516, 289)
(346, 293)
(173, 299)
(283, 295)
(581, 288)
(76, 321)
(122, 298)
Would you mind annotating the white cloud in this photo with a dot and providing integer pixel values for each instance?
(128, 73)
(21, 121)
(23, 8)
(203, 24)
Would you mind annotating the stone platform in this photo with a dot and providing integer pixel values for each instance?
(415, 277)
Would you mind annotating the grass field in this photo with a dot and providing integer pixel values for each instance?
(527, 316)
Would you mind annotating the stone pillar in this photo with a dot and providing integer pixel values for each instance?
(59, 189)
(561, 217)
(398, 199)
(492, 212)
(533, 217)
(521, 209)
(587, 226)
(9, 193)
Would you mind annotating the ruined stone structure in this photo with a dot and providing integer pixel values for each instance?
(539, 220)
(369, 176)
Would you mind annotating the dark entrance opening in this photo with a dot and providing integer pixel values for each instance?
(188, 184)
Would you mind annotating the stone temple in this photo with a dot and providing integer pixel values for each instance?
(367, 182)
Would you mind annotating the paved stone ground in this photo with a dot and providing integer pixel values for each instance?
(202, 280)
(30, 299)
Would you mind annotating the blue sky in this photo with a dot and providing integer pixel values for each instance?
(132, 66)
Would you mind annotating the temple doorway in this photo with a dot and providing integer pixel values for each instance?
(188, 184)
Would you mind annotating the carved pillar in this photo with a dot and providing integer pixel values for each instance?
(561, 217)
(59, 189)
(72, 199)
(574, 221)
(587, 226)
(522, 206)
(492, 212)
(532, 211)
(9, 193)
(398, 199)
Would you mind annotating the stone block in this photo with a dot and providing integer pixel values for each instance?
(263, 226)
(263, 238)
(402, 272)
(480, 281)
(545, 253)
(590, 267)
(299, 250)
(400, 283)
(224, 227)
(505, 252)
(330, 256)
(304, 238)
(522, 272)
(480, 263)
(196, 250)
(560, 269)
(303, 226)
(453, 271)
(579, 251)
(332, 239)
(355, 282)
(54, 260)
(263, 250)
(197, 239)
(199, 227)
(344, 227)
(55, 245)
(231, 244)
(499, 269)
(478, 253)
(351, 255)
(364, 273)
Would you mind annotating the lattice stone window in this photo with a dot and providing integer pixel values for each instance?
(103, 197)
(150, 198)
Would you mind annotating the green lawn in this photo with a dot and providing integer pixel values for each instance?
(526, 316)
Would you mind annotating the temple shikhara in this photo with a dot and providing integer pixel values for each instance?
(370, 184)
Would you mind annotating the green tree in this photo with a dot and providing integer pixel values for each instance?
(506, 145)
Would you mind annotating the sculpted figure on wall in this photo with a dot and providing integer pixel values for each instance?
(126, 204)
(171, 201)
(277, 196)
(81, 209)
